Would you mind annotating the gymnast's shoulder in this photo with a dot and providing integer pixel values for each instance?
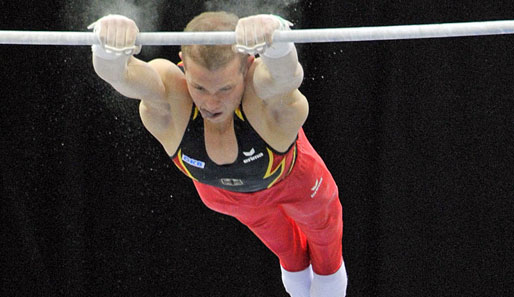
(171, 75)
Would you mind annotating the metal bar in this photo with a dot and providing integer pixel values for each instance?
(297, 36)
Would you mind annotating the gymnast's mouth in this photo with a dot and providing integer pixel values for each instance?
(211, 115)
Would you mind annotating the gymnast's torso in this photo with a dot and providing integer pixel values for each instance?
(244, 157)
(257, 166)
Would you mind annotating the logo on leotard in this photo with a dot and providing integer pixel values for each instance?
(193, 162)
(231, 182)
(251, 156)
(249, 153)
(316, 187)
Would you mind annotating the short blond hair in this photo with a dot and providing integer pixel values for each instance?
(212, 57)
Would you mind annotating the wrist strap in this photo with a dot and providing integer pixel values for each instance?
(100, 52)
(111, 53)
(107, 52)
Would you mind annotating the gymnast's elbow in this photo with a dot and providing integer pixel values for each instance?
(134, 79)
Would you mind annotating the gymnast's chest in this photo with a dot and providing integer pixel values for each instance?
(242, 155)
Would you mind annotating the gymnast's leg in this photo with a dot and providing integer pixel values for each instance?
(283, 237)
(320, 220)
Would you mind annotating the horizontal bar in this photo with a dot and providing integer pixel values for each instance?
(297, 36)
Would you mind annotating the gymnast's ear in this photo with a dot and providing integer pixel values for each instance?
(249, 61)
(181, 63)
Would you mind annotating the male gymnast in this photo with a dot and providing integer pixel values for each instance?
(232, 122)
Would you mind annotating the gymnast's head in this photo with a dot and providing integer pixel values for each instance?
(213, 57)
(215, 74)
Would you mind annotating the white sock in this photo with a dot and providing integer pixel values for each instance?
(333, 285)
(297, 284)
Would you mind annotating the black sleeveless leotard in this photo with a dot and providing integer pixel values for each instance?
(257, 167)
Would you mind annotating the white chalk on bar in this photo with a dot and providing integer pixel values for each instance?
(297, 36)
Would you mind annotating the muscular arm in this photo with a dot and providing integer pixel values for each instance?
(284, 106)
(114, 62)
(278, 77)
(146, 81)
(133, 78)
(279, 73)
(276, 81)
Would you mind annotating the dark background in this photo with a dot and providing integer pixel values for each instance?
(419, 135)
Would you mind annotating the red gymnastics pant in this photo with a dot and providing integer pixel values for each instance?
(299, 219)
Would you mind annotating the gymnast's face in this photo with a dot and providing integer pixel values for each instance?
(216, 93)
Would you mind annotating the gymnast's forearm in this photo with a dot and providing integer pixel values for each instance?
(278, 76)
(110, 70)
(286, 69)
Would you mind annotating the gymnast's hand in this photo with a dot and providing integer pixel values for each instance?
(254, 34)
(117, 37)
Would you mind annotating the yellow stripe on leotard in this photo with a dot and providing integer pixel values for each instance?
(270, 171)
(293, 161)
(195, 114)
(239, 114)
(183, 166)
